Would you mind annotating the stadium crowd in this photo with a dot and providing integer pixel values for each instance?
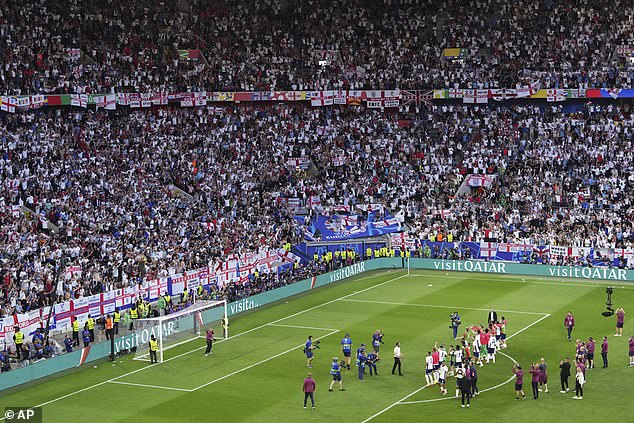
(95, 46)
(103, 186)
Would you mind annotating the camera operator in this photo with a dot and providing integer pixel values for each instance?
(455, 322)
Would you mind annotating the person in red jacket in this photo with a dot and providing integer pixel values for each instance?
(309, 389)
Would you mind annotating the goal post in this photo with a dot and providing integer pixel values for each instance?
(181, 327)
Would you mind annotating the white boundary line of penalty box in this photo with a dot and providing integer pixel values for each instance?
(403, 401)
(70, 394)
(142, 385)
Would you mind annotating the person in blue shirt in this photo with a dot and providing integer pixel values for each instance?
(377, 340)
(455, 322)
(68, 343)
(359, 351)
(85, 334)
(346, 348)
(37, 336)
(5, 364)
(362, 360)
(308, 349)
(373, 358)
(335, 371)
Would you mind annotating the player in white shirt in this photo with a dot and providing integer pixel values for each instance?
(442, 377)
(491, 349)
(429, 369)
(458, 356)
(477, 348)
(442, 353)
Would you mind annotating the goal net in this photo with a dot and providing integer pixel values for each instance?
(181, 327)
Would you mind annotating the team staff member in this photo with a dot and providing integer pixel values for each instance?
(18, 338)
(346, 349)
(397, 359)
(534, 371)
(210, 340)
(309, 390)
(569, 324)
(604, 352)
(153, 350)
(580, 381)
(75, 332)
(519, 375)
(564, 374)
(116, 319)
(620, 318)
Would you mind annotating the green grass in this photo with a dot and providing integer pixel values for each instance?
(256, 376)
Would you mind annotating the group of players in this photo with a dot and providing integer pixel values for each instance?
(477, 345)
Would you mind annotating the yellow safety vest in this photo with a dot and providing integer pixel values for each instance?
(19, 338)
(368, 252)
(153, 345)
(200, 287)
(134, 313)
(316, 257)
(75, 326)
(449, 237)
(377, 253)
(91, 323)
(117, 317)
(407, 253)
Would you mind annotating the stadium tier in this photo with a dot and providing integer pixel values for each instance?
(164, 165)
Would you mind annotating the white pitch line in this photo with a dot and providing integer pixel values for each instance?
(442, 306)
(226, 339)
(402, 400)
(511, 279)
(257, 364)
(393, 405)
(151, 386)
(526, 327)
(300, 327)
(448, 398)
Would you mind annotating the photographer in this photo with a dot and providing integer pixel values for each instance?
(373, 358)
(308, 350)
(455, 323)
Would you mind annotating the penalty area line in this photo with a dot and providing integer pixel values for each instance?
(151, 386)
(301, 327)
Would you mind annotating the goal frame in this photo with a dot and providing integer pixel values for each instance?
(157, 322)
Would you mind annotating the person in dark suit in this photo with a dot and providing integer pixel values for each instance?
(493, 316)
(564, 374)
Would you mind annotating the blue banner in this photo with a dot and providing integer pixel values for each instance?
(341, 227)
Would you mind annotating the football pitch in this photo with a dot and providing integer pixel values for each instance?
(256, 375)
